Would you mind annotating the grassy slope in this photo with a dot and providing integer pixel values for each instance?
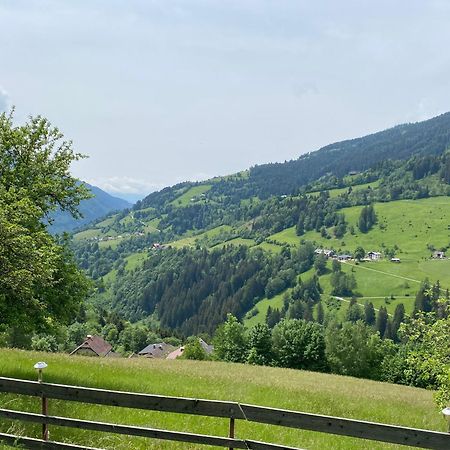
(195, 191)
(410, 225)
(281, 388)
(358, 187)
(190, 241)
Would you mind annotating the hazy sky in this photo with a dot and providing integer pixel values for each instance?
(158, 92)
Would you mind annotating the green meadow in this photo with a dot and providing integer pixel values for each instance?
(274, 387)
(410, 226)
(192, 193)
(191, 241)
(358, 187)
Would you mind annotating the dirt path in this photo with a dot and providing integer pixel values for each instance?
(384, 273)
(360, 304)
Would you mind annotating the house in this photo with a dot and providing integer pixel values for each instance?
(94, 346)
(324, 251)
(344, 257)
(395, 260)
(438, 255)
(374, 256)
(158, 350)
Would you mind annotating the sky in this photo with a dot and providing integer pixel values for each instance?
(159, 92)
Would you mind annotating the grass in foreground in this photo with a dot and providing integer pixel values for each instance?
(280, 388)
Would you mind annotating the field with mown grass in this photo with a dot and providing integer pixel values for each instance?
(192, 193)
(339, 191)
(191, 241)
(274, 387)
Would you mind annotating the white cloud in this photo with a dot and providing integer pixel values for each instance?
(125, 185)
(4, 100)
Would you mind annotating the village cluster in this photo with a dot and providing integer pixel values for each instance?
(97, 346)
(369, 256)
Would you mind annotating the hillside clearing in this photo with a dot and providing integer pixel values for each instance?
(193, 194)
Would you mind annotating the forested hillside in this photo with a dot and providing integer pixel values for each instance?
(190, 253)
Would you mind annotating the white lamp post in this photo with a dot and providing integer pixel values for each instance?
(40, 366)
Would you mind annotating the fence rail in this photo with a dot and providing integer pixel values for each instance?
(211, 408)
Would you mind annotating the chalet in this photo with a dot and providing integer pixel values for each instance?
(374, 256)
(344, 257)
(324, 251)
(395, 260)
(158, 350)
(438, 255)
(94, 346)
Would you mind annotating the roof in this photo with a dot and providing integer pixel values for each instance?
(176, 353)
(157, 350)
(207, 347)
(95, 343)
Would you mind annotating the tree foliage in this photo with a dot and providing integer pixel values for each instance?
(39, 282)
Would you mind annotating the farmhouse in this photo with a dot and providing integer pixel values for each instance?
(438, 255)
(324, 251)
(374, 256)
(344, 257)
(159, 350)
(94, 346)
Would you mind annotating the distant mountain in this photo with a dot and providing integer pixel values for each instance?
(98, 206)
(430, 137)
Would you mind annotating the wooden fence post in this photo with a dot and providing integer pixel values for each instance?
(231, 433)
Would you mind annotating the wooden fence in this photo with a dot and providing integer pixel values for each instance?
(230, 410)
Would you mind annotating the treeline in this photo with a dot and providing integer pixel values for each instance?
(419, 357)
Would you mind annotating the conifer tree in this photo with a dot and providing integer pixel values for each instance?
(382, 319)
(369, 313)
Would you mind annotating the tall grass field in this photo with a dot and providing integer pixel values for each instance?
(274, 387)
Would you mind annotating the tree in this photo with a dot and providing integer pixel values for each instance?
(336, 266)
(194, 350)
(260, 345)
(369, 313)
(382, 320)
(230, 342)
(299, 344)
(359, 253)
(320, 264)
(342, 283)
(428, 356)
(39, 282)
(399, 316)
(367, 218)
(354, 350)
(320, 313)
(423, 300)
(354, 311)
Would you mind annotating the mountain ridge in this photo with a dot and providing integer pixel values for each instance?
(91, 209)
